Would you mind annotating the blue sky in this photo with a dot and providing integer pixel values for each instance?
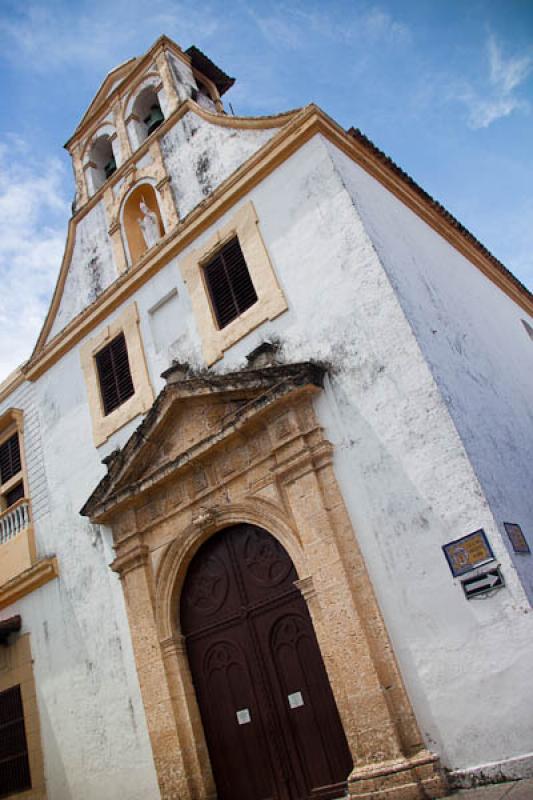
(445, 87)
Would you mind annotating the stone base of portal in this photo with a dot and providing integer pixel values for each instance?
(416, 778)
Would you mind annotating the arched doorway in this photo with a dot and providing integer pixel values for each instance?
(270, 719)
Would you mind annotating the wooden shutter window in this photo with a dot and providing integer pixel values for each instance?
(15, 494)
(114, 374)
(10, 462)
(14, 764)
(229, 283)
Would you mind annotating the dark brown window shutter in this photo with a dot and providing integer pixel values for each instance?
(10, 462)
(114, 374)
(229, 283)
(14, 764)
(15, 494)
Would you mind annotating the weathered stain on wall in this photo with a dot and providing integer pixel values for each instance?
(200, 156)
(80, 634)
(473, 338)
(91, 269)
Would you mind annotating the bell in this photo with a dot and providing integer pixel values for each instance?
(154, 118)
(110, 167)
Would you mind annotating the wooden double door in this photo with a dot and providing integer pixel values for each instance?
(270, 719)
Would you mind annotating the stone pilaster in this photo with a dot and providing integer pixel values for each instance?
(386, 746)
(163, 68)
(122, 134)
(114, 231)
(134, 569)
(190, 729)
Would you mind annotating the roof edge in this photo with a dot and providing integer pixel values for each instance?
(437, 207)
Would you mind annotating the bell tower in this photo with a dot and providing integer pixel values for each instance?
(134, 100)
(117, 151)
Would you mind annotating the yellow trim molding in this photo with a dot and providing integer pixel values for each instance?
(42, 572)
(12, 382)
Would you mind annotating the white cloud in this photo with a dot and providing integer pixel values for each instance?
(97, 34)
(495, 96)
(506, 75)
(291, 27)
(33, 213)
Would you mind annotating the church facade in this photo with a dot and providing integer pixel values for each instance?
(266, 512)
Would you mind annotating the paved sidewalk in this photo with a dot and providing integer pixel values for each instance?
(514, 790)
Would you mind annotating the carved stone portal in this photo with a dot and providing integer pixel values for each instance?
(219, 450)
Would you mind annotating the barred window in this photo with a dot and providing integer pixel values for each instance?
(229, 283)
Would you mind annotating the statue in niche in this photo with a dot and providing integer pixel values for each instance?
(149, 224)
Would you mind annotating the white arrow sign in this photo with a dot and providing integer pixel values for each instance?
(487, 581)
(483, 583)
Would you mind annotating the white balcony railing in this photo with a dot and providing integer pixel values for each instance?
(14, 519)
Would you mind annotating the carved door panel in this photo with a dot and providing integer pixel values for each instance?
(270, 720)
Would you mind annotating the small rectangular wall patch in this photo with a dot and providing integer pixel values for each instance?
(244, 716)
(468, 552)
(295, 700)
(516, 537)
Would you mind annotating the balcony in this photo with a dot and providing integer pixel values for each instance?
(17, 545)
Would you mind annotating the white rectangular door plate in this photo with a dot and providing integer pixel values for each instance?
(295, 700)
(244, 716)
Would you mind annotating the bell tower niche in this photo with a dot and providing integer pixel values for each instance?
(142, 225)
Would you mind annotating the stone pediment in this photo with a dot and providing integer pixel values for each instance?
(193, 414)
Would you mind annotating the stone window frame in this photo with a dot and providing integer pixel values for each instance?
(271, 302)
(141, 400)
(16, 669)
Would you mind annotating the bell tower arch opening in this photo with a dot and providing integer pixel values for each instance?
(147, 113)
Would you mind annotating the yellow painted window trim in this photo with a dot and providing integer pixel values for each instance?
(16, 669)
(270, 299)
(143, 397)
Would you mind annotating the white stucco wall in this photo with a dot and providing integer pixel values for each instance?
(407, 479)
(402, 465)
(91, 270)
(473, 339)
(93, 727)
(409, 484)
(200, 156)
(404, 471)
